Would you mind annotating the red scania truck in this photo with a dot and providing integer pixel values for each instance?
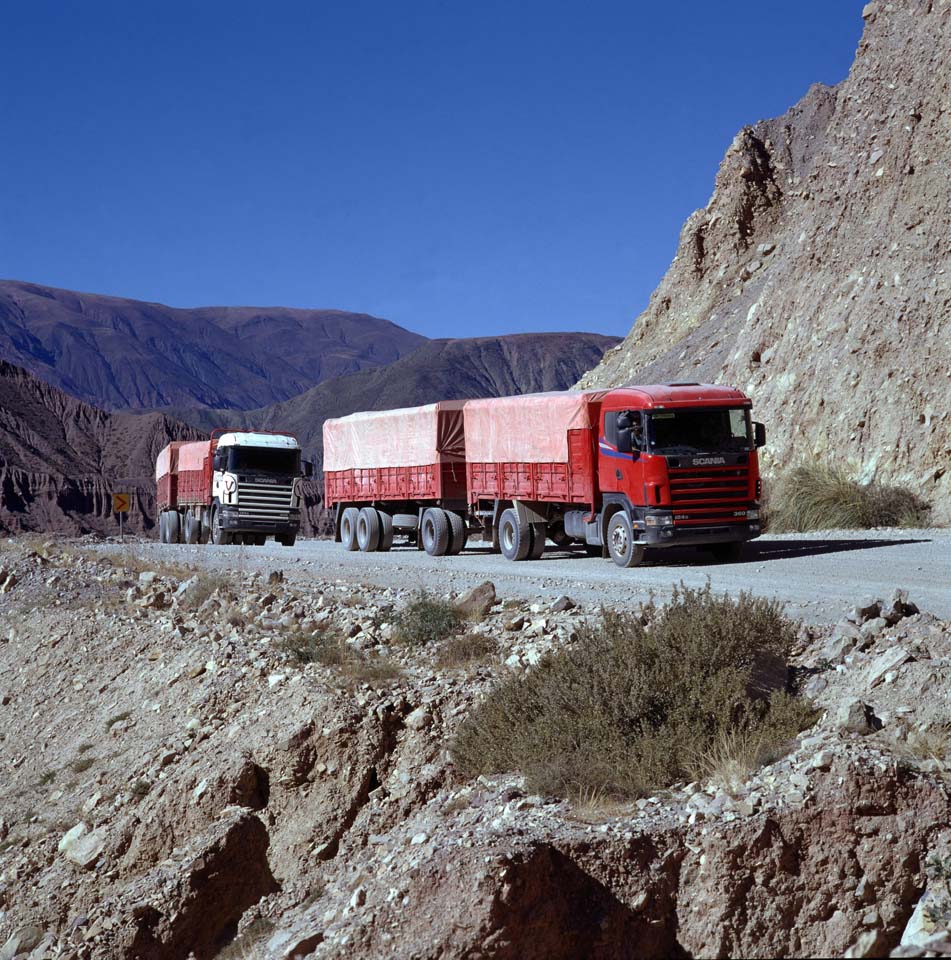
(616, 470)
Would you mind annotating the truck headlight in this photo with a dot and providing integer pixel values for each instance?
(653, 520)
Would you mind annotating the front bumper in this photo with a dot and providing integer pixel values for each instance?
(234, 522)
(664, 532)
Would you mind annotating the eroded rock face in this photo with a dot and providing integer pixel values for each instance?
(816, 278)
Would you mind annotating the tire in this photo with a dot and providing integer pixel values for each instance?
(515, 537)
(348, 528)
(173, 526)
(386, 531)
(204, 527)
(436, 532)
(218, 535)
(624, 549)
(260, 539)
(539, 536)
(287, 539)
(727, 552)
(368, 529)
(458, 533)
(162, 528)
(191, 529)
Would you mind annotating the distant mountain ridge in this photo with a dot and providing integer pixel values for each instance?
(452, 369)
(118, 353)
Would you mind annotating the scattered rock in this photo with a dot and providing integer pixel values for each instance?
(476, 603)
(854, 716)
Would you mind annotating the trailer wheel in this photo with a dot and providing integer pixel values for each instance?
(191, 528)
(539, 535)
(204, 526)
(386, 531)
(218, 534)
(624, 549)
(405, 521)
(173, 526)
(436, 532)
(515, 537)
(348, 528)
(458, 533)
(368, 529)
(162, 528)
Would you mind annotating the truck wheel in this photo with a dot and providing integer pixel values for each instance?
(539, 535)
(287, 539)
(204, 527)
(173, 527)
(436, 532)
(515, 537)
(218, 535)
(191, 529)
(386, 531)
(368, 529)
(624, 549)
(727, 552)
(348, 528)
(260, 539)
(458, 534)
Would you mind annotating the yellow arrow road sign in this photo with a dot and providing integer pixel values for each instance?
(121, 502)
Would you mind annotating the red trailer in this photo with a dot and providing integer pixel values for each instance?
(403, 458)
(617, 470)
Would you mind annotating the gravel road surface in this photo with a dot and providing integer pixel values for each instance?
(818, 575)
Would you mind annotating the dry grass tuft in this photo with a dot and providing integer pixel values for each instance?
(426, 620)
(641, 702)
(466, 648)
(824, 497)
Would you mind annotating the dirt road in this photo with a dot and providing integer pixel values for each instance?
(818, 575)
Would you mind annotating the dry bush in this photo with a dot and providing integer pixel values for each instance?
(465, 648)
(824, 497)
(930, 743)
(331, 650)
(426, 620)
(632, 708)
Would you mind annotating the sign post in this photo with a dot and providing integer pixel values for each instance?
(120, 504)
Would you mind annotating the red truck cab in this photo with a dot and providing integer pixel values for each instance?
(681, 460)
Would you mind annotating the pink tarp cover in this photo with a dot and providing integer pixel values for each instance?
(409, 437)
(532, 428)
(167, 460)
(191, 456)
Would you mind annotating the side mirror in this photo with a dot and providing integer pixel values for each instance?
(220, 461)
(308, 466)
(759, 435)
(625, 441)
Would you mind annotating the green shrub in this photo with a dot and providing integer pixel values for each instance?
(641, 700)
(824, 497)
(426, 620)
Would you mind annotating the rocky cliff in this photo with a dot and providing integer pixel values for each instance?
(61, 459)
(817, 276)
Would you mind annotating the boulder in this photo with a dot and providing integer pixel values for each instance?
(476, 603)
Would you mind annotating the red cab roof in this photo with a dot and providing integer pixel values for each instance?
(676, 395)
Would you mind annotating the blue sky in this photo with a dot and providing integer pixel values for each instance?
(459, 168)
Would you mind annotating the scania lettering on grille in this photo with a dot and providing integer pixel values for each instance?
(707, 461)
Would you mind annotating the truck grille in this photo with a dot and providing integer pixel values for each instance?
(709, 495)
(264, 501)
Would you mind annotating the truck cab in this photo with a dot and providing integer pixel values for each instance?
(680, 461)
(256, 487)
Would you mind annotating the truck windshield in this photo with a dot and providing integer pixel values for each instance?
(675, 432)
(264, 460)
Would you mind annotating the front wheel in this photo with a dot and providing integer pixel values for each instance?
(219, 535)
(287, 539)
(624, 549)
